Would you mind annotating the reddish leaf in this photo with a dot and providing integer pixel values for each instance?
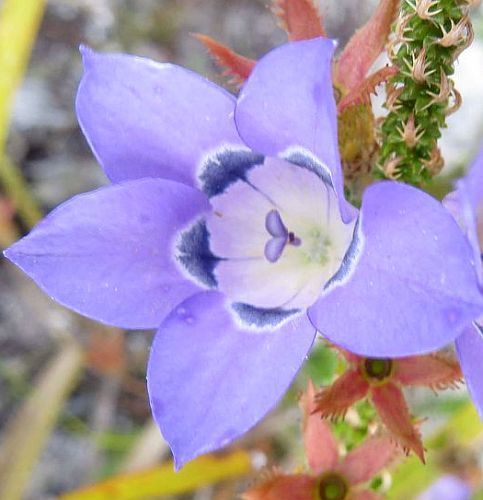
(361, 93)
(233, 65)
(433, 370)
(299, 18)
(320, 445)
(334, 401)
(366, 45)
(283, 487)
(391, 407)
(368, 459)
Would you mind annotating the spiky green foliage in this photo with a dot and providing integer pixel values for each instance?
(429, 35)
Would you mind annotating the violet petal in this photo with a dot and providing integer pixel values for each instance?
(469, 346)
(210, 379)
(107, 254)
(408, 286)
(287, 106)
(145, 119)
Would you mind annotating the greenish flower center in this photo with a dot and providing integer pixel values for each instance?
(316, 248)
(333, 487)
(377, 368)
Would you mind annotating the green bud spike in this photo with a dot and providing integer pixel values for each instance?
(428, 37)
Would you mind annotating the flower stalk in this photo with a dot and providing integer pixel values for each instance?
(429, 36)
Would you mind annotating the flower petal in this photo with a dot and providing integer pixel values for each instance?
(460, 205)
(392, 408)
(144, 119)
(335, 400)
(321, 448)
(447, 487)
(466, 206)
(364, 462)
(469, 347)
(407, 284)
(107, 254)
(287, 108)
(474, 180)
(438, 371)
(211, 377)
(284, 487)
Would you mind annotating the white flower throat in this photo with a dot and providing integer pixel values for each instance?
(279, 234)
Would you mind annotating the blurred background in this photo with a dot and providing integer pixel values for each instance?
(73, 403)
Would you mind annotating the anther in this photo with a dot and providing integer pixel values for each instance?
(280, 236)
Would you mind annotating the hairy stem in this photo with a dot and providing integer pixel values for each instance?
(428, 37)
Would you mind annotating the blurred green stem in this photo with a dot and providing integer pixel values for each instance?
(19, 23)
(15, 188)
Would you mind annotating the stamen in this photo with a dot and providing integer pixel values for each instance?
(274, 224)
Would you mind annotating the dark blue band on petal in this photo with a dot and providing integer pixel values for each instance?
(195, 255)
(350, 258)
(304, 160)
(226, 167)
(262, 318)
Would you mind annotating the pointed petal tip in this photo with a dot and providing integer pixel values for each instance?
(178, 463)
(393, 411)
(196, 422)
(85, 50)
(7, 253)
(416, 447)
(13, 253)
(87, 55)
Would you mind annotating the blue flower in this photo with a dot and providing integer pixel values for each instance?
(447, 487)
(225, 223)
(466, 204)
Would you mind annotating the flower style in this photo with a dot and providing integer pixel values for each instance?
(381, 379)
(225, 222)
(331, 477)
(466, 204)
